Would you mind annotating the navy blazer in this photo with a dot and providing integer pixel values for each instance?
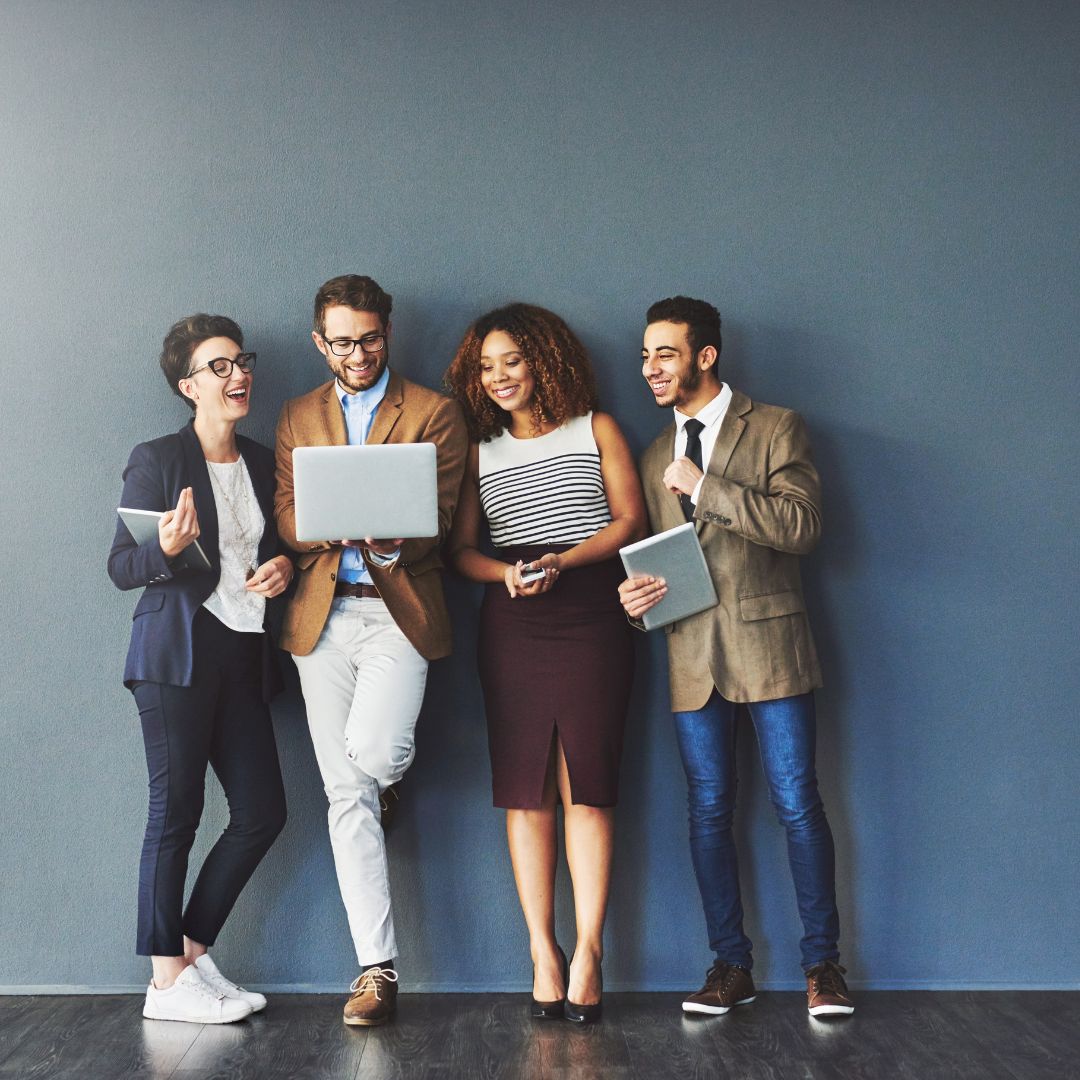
(156, 473)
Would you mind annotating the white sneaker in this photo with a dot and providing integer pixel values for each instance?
(213, 977)
(192, 999)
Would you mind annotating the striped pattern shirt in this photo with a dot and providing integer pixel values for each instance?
(546, 490)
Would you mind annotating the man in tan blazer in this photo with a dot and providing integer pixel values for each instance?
(368, 614)
(742, 471)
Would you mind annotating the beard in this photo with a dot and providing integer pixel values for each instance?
(688, 383)
(357, 382)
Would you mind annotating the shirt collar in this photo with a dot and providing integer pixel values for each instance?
(367, 399)
(711, 412)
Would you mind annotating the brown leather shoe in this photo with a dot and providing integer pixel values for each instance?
(826, 991)
(388, 805)
(725, 985)
(374, 997)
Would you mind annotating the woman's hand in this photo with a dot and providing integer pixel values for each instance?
(177, 528)
(551, 564)
(272, 578)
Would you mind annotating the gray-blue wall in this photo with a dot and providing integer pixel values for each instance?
(881, 198)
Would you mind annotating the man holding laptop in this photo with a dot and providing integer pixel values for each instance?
(742, 471)
(368, 613)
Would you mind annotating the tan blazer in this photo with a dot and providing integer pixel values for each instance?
(758, 511)
(412, 587)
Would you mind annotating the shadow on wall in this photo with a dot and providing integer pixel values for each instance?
(840, 610)
(796, 370)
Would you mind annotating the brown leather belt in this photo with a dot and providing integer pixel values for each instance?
(356, 589)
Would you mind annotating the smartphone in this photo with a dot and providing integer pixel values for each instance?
(529, 576)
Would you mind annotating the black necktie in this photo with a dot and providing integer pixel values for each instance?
(693, 429)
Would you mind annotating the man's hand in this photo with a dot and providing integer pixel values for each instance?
(638, 594)
(272, 578)
(380, 547)
(682, 476)
(177, 528)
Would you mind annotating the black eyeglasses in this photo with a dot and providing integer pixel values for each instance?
(369, 343)
(222, 366)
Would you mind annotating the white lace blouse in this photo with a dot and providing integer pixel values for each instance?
(240, 528)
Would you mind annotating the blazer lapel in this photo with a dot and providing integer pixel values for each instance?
(727, 438)
(205, 506)
(389, 410)
(673, 508)
(670, 508)
(262, 480)
(333, 419)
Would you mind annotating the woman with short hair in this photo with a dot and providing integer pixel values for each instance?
(201, 663)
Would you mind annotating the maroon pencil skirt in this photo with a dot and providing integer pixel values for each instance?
(556, 664)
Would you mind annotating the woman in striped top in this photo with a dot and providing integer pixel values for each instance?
(556, 484)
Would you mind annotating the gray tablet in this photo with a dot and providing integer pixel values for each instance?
(387, 492)
(676, 556)
(142, 524)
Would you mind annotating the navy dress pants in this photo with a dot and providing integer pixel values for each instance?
(220, 720)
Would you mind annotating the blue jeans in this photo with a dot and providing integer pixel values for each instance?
(786, 731)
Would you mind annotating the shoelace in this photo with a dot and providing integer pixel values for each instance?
(220, 983)
(369, 980)
(203, 988)
(721, 975)
(828, 978)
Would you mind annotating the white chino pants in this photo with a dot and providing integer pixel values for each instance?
(363, 686)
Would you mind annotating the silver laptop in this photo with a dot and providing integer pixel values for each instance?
(387, 492)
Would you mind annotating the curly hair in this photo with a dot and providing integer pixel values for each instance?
(565, 385)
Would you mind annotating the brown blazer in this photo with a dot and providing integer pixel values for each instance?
(412, 587)
(759, 510)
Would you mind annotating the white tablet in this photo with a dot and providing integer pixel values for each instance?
(142, 524)
(387, 492)
(676, 556)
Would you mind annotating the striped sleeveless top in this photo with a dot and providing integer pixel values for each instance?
(546, 490)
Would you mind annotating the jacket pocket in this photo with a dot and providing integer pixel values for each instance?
(306, 559)
(770, 605)
(149, 601)
(431, 561)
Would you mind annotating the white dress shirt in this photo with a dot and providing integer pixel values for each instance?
(712, 416)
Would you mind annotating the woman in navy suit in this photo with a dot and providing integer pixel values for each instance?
(202, 664)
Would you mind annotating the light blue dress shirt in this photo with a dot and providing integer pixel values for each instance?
(359, 410)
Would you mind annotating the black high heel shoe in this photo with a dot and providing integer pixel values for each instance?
(584, 1014)
(552, 1010)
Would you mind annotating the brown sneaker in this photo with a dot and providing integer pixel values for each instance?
(725, 985)
(826, 991)
(374, 997)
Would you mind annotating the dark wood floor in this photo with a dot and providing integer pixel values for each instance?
(1015, 1035)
